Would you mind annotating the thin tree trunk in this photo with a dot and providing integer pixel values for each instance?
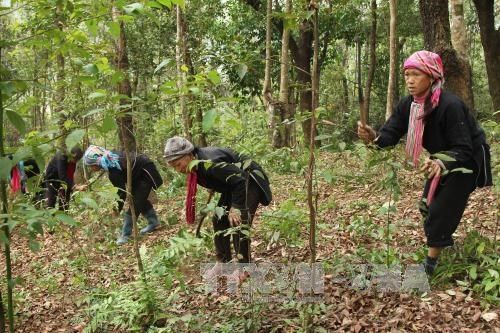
(267, 90)
(373, 60)
(397, 87)
(458, 30)
(5, 228)
(284, 102)
(363, 115)
(315, 90)
(60, 93)
(393, 49)
(125, 120)
(345, 87)
(2, 314)
(437, 37)
(181, 75)
(490, 38)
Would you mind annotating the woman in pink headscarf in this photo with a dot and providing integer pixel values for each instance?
(440, 122)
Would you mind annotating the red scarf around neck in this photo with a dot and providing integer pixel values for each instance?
(192, 182)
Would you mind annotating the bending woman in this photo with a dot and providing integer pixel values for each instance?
(241, 182)
(145, 177)
(441, 123)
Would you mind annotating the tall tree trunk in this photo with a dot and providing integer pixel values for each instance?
(125, 120)
(393, 50)
(437, 37)
(284, 102)
(310, 180)
(125, 124)
(400, 44)
(5, 211)
(200, 137)
(363, 115)
(458, 30)
(345, 87)
(490, 38)
(60, 93)
(371, 68)
(267, 91)
(181, 76)
(2, 314)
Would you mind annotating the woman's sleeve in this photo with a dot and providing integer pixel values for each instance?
(62, 169)
(457, 135)
(394, 128)
(235, 180)
(115, 177)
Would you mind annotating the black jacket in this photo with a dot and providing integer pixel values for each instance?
(450, 129)
(57, 170)
(224, 170)
(143, 170)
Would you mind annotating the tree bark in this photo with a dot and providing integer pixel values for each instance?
(181, 75)
(315, 91)
(490, 38)
(458, 30)
(393, 49)
(373, 60)
(363, 115)
(125, 120)
(437, 38)
(267, 92)
(284, 102)
(60, 93)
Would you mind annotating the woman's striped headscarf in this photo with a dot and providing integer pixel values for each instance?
(431, 64)
(95, 155)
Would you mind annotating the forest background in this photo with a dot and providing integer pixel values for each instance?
(284, 82)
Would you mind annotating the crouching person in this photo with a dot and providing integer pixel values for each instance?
(60, 178)
(241, 182)
(145, 177)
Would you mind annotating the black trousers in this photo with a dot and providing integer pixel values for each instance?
(56, 192)
(140, 194)
(445, 211)
(241, 239)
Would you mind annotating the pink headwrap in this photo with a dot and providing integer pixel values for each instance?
(431, 64)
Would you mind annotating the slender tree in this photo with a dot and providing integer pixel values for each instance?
(393, 55)
(373, 60)
(267, 91)
(181, 74)
(310, 178)
(437, 38)
(124, 119)
(490, 38)
(284, 101)
(5, 211)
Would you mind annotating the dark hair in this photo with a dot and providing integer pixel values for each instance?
(77, 153)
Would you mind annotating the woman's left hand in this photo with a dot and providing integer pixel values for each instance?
(431, 168)
(234, 217)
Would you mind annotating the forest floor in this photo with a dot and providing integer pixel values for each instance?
(64, 286)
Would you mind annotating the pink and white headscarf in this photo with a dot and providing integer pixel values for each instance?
(431, 64)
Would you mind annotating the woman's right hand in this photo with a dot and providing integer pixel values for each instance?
(366, 133)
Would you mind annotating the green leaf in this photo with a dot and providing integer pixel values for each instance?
(98, 94)
(180, 3)
(342, 146)
(114, 29)
(462, 170)
(90, 202)
(473, 272)
(214, 77)
(161, 65)
(154, 4)
(5, 167)
(209, 119)
(66, 219)
(17, 121)
(322, 137)
(443, 157)
(91, 69)
(74, 138)
(219, 211)
(242, 70)
(134, 8)
(490, 285)
(108, 124)
(166, 3)
(92, 27)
